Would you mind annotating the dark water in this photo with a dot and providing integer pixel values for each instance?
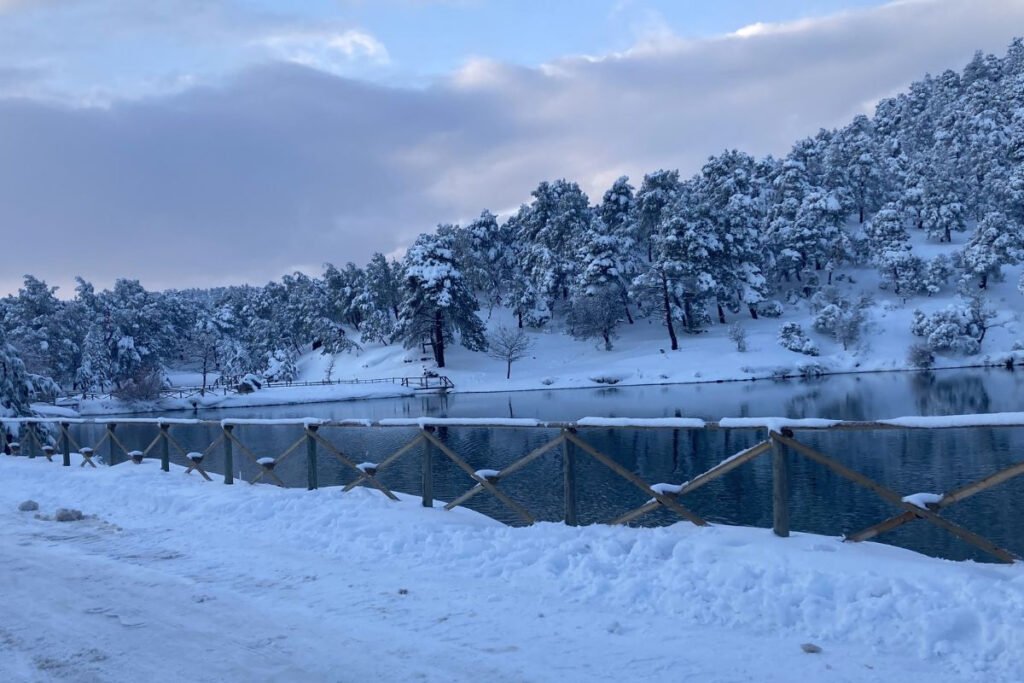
(906, 461)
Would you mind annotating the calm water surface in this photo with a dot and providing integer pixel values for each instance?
(906, 461)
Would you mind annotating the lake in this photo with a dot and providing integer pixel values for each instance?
(906, 461)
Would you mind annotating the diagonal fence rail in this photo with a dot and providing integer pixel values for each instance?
(47, 437)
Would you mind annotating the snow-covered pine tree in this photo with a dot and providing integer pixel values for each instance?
(815, 240)
(891, 252)
(436, 301)
(487, 251)
(658, 194)
(859, 160)
(599, 257)
(18, 389)
(378, 301)
(548, 231)
(47, 332)
(995, 242)
(726, 197)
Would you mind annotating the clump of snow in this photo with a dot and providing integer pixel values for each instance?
(266, 462)
(673, 422)
(951, 421)
(486, 474)
(367, 466)
(194, 456)
(923, 500)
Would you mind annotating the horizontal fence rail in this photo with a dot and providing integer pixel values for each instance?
(215, 388)
(52, 437)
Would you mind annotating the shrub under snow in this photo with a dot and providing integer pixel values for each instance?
(792, 337)
(958, 328)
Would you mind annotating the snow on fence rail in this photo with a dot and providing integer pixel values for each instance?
(779, 440)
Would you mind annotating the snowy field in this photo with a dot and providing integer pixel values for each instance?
(169, 578)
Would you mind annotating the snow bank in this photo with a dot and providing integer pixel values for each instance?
(420, 593)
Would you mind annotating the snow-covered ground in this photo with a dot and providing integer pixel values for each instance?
(171, 578)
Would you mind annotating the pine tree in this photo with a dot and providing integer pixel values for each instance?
(549, 230)
(659, 192)
(891, 252)
(436, 301)
(726, 197)
(996, 242)
(378, 301)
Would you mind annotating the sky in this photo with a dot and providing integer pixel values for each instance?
(197, 143)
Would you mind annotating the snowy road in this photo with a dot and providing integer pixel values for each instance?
(169, 578)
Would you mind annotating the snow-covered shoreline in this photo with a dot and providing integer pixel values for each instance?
(276, 396)
(246, 583)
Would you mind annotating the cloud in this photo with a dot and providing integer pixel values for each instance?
(326, 50)
(284, 164)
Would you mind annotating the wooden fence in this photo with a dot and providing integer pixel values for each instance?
(440, 382)
(39, 436)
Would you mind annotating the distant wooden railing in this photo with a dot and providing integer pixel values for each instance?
(779, 440)
(221, 388)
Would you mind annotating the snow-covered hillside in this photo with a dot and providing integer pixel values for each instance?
(640, 354)
(203, 582)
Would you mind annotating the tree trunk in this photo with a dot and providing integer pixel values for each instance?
(519, 314)
(721, 314)
(984, 281)
(607, 340)
(625, 304)
(753, 312)
(861, 214)
(668, 313)
(439, 339)
(508, 369)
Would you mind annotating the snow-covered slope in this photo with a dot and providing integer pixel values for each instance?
(202, 582)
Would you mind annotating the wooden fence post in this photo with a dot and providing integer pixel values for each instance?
(428, 471)
(64, 426)
(112, 460)
(569, 480)
(780, 487)
(311, 473)
(165, 448)
(229, 460)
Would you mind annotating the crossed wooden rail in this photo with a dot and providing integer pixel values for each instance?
(779, 440)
